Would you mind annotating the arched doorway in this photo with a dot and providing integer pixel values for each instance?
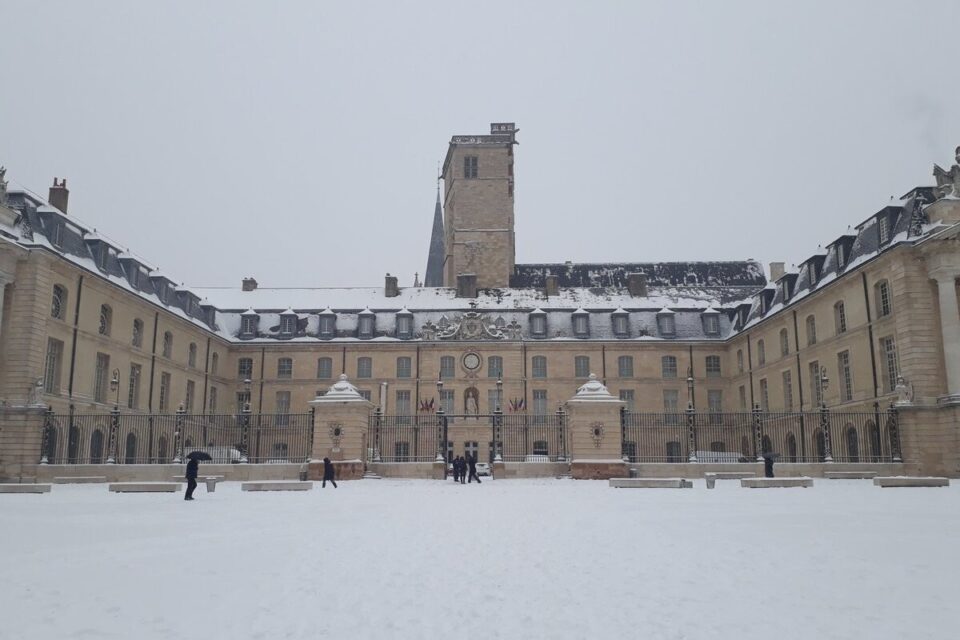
(821, 445)
(853, 444)
(96, 447)
(876, 445)
(73, 444)
(130, 451)
(791, 448)
(162, 449)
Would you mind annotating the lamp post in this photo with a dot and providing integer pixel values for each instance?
(441, 428)
(691, 419)
(178, 435)
(823, 383)
(245, 422)
(498, 423)
(114, 418)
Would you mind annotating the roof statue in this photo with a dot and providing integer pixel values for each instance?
(948, 182)
(434, 274)
(3, 185)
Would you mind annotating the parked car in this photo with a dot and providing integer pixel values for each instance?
(483, 469)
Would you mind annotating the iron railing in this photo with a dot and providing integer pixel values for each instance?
(167, 438)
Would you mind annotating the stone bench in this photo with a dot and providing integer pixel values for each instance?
(211, 481)
(24, 488)
(144, 487)
(911, 481)
(849, 475)
(279, 485)
(650, 483)
(780, 483)
(712, 477)
(79, 479)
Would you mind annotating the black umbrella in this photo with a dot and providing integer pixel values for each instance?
(199, 455)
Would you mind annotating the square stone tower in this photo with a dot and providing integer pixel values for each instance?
(478, 207)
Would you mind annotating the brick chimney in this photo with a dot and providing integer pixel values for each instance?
(776, 271)
(59, 194)
(467, 285)
(249, 284)
(552, 286)
(637, 285)
(390, 288)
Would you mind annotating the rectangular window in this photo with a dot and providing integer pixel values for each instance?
(666, 324)
(470, 168)
(447, 370)
(243, 400)
(245, 368)
(401, 451)
(327, 326)
(884, 228)
(101, 380)
(447, 399)
(324, 368)
(283, 408)
(165, 392)
(845, 375)
(671, 405)
(816, 390)
(364, 368)
(403, 367)
(494, 400)
(787, 391)
(713, 366)
(51, 372)
(288, 325)
(840, 317)
(621, 325)
(628, 396)
(888, 348)
(711, 324)
(191, 389)
(538, 325)
(494, 367)
(625, 366)
(715, 405)
(133, 389)
(366, 325)
(540, 402)
(743, 397)
(403, 403)
(764, 395)
(668, 367)
(581, 325)
(539, 366)
(285, 368)
(581, 366)
(213, 400)
(404, 326)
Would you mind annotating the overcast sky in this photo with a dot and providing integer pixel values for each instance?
(298, 142)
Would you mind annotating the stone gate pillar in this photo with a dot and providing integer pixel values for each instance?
(593, 419)
(340, 422)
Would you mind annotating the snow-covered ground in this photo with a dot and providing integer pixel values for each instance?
(506, 559)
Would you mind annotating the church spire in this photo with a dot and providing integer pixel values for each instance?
(434, 274)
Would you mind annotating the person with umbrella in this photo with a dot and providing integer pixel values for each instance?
(192, 467)
(328, 474)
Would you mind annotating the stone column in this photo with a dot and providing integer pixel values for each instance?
(340, 422)
(593, 420)
(950, 330)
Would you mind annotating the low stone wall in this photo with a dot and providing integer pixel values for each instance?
(409, 470)
(600, 469)
(343, 469)
(166, 472)
(531, 470)
(786, 469)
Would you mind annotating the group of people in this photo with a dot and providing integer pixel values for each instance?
(461, 465)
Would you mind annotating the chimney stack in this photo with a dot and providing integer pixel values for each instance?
(390, 288)
(59, 194)
(467, 285)
(249, 284)
(637, 285)
(777, 270)
(552, 286)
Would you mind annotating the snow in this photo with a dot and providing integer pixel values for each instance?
(505, 559)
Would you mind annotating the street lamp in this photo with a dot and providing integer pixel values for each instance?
(690, 387)
(824, 383)
(499, 393)
(115, 387)
(114, 418)
(246, 386)
(441, 428)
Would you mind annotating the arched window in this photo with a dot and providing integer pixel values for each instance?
(876, 445)
(811, 330)
(625, 366)
(668, 366)
(853, 444)
(840, 317)
(130, 451)
(137, 338)
(784, 343)
(821, 444)
(214, 363)
(761, 353)
(192, 355)
(881, 294)
(167, 344)
(51, 452)
(447, 370)
(58, 306)
(674, 452)
(106, 320)
(73, 444)
(96, 447)
(791, 448)
(494, 367)
(162, 449)
(539, 366)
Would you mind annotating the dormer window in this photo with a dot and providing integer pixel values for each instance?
(581, 323)
(288, 324)
(538, 323)
(365, 325)
(840, 256)
(711, 322)
(666, 323)
(248, 324)
(883, 224)
(56, 234)
(621, 323)
(328, 324)
(404, 325)
(102, 256)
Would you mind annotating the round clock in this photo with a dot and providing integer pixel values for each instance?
(471, 361)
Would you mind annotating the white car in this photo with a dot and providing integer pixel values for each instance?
(483, 469)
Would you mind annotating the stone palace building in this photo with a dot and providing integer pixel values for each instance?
(868, 320)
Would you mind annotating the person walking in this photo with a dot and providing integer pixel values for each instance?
(328, 474)
(191, 475)
(455, 465)
(473, 469)
(463, 470)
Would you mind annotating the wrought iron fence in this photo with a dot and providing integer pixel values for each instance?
(404, 438)
(536, 438)
(813, 436)
(167, 438)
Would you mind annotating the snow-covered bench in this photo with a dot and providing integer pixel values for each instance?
(779, 483)
(849, 475)
(24, 488)
(211, 481)
(277, 485)
(911, 481)
(144, 487)
(650, 483)
(711, 477)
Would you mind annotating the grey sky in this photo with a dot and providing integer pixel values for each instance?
(299, 143)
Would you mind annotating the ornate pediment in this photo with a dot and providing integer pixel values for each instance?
(471, 325)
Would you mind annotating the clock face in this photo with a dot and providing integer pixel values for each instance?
(471, 361)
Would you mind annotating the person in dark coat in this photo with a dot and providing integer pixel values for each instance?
(463, 470)
(328, 474)
(455, 467)
(473, 469)
(191, 476)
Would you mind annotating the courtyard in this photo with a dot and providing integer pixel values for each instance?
(505, 559)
